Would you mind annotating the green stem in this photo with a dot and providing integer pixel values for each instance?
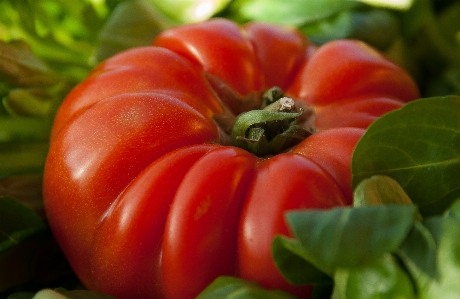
(271, 130)
(272, 95)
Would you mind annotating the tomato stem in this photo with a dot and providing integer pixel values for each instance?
(271, 130)
(272, 95)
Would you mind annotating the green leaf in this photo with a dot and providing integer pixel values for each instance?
(24, 129)
(449, 259)
(131, 24)
(19, 66)
(337, 26)
(419, 147)
(418, 254)
(292, 261)
(430, 254)
(351, 237)
(378, 27)
(448, 22)
(414, 18)
(22, 158)
(26, 189)
(17, 223)
(446, 233)
(392, 4)
(58, 31)
(237, 288)
(454, 210)
(298, 12)
(21, 232)
(21, 295)
(29, 87)
(189, 11)
(62, 294)
(30, 95)
(383, 278)
(379, 190)
(36, 263)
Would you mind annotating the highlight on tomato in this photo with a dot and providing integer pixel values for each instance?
(173, 164)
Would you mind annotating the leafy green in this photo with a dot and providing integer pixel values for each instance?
(399, 4)
(378, 27)
(297, 13)
(131, 24)
(290, 254)
(430, 32)
(383, 278)
(17, 223)
(30, 96)
(189, 11)
(349, 242)
(419, 147)
(420, 261)
(418, 253)
(60, 32)
(72, 36)
(446, 232)
(21, 295)
(21, 232)
(430, 255)
(21, 159)
(378, 190)
(30, 87)
(46, 48)
(236, 288)
(61, 294)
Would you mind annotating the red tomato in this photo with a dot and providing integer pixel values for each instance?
(145, 193)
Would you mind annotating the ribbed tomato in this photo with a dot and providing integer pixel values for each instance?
(171, 164)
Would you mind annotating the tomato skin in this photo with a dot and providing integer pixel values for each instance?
(358, 112)
(306, 186)
(140, 210)
(237, 66)
(332, 150)
(270, 43)
(136, 71)
(206, 217)
(127, 126)
(142, 190)
(354, 70)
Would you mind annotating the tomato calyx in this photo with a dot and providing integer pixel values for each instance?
(273, 129)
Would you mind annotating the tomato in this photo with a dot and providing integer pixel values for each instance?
(145, 190)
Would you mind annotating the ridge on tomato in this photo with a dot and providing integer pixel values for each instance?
(172, 164)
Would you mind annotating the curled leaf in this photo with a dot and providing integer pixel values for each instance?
(419, 147)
